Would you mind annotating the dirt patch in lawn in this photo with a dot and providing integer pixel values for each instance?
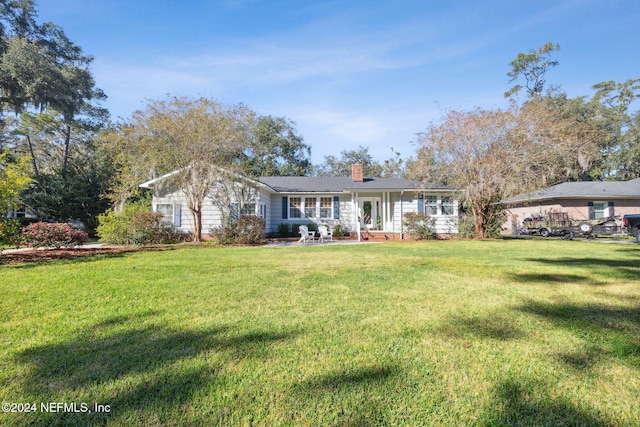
(31, 256)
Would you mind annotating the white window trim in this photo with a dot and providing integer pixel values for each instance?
(166, 219)
(440, 205)
(605, 209)
(303, 207)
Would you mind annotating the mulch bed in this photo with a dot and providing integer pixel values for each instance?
(31, 256)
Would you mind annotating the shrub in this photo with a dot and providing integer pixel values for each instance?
(137, 225)
(338, 231)
(466, 225)
(312, 227)
(295, 229)
(246, 230)
(56, 235)
(419, 225)
(10, 231)
(283, 229)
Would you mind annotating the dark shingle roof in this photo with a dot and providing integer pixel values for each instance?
(333, 184)
(583, 190)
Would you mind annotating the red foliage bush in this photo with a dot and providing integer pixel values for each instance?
(53, 235)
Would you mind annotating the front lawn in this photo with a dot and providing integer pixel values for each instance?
(535, 332)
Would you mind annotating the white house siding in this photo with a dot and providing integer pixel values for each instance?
(444, 224)
(211, 217)
(272, 202)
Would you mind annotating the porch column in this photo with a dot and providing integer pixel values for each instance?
(356, 220)
(401, 217)
(383, 214)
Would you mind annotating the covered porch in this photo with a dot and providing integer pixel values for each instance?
(377, 213)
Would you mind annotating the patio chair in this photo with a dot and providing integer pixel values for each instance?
(305, 234)
(325, 233)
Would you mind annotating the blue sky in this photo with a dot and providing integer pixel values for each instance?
(348, 73)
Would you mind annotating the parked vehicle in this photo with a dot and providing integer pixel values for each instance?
(559, 224)
(632, 225)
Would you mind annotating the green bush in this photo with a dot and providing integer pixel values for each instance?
(419, 225)
(10, 231)
(466, 225)
(338, 231)
(283, 229)
(295, 229)
(312, 227)
(137, 225)
(56, 235)
(246, 230)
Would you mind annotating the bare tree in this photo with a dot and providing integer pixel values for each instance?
(491, 155)
(193, 138)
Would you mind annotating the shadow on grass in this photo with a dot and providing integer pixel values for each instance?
(606, 331)
(347, 379)
(552, 278)
(527, 403)
(139, 370)
(353, 389)
(492, 326)
(628, 269)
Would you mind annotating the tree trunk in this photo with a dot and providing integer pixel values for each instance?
(67, 142)
(479, 229)
(197, 224)
(479, 221)
(33, 158)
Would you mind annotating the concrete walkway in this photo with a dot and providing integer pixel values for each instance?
(285, 244)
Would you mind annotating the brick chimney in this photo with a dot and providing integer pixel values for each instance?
(356, 173)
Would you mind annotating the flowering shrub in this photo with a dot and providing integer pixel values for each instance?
(56, 235)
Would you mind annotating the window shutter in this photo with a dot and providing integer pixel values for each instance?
(336, 207)
(611, 209)
(177, 216)
(421, 205)
(285, 207)
(234, 208)
(592, 213)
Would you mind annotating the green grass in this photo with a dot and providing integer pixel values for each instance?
(471, 333)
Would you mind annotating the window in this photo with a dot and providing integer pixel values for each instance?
(248, 209)
(431, 205)
(18, 213)
(325, 207)
(447, 206)
(167, 213)
(599, 210)
(295, 207)
(310, 207)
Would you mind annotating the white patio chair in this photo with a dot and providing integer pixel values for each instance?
(325, 233)
(305, 234)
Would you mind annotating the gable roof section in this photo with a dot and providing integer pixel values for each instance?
(593, 190)
(334, 184)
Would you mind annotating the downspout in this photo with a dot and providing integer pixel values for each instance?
(401, 217)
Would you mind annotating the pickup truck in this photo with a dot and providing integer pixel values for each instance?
(632, 223)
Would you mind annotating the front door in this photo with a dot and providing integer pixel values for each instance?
(369, 208)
